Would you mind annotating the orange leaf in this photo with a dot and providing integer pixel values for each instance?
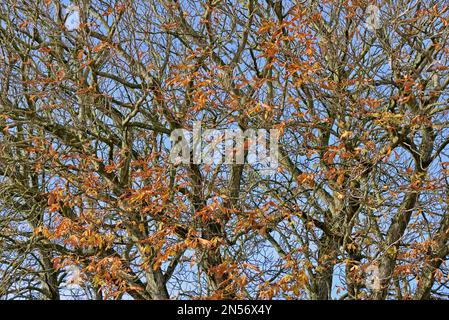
(51, 199)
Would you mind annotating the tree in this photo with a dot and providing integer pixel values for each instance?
(92, 207)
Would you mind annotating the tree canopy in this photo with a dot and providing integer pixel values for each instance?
(92, 207)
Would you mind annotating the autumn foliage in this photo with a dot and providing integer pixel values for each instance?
(92, 208)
